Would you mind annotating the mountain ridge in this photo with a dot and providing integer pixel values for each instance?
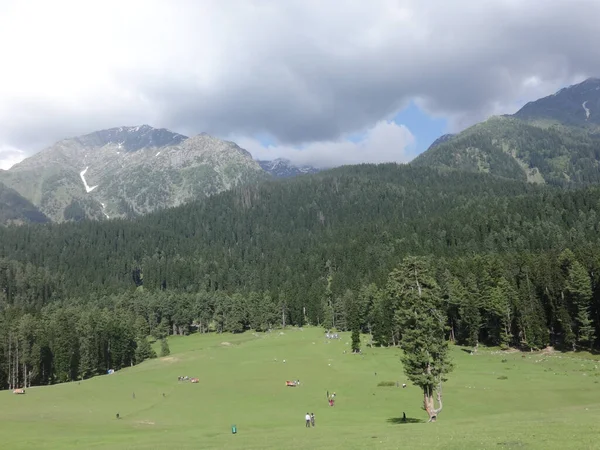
(575, 105)
(548, 141)
(128, 171)
(284, 168)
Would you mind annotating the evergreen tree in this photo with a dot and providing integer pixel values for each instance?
(579, 289)
(356, 340)
(161, 331)
(143, 350)
(383, 314)
(352, 306)
(327, 304)
(423, 323)
(470, 314)
(502, 298)
(164, 348)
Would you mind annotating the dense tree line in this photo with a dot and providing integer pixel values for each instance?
(81, 298)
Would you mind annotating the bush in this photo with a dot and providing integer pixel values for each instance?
(386, 383)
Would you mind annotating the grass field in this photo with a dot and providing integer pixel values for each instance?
(492, 400)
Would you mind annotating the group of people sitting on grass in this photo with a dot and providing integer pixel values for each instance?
(331, 398)
(193, 380)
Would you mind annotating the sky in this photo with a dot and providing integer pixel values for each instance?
(318, 82)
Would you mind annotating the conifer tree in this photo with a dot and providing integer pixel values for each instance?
(423, 330)
(143, 350)
(164, 348)
(579, 289)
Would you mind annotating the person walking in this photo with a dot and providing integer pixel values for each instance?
(312, 419)
(307, 418)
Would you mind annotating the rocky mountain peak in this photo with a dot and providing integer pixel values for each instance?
(128, 171)
(284, 168)
(131, 139)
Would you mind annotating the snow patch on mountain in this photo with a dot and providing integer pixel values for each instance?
(104, 212)
(587, 111)
(87, 188)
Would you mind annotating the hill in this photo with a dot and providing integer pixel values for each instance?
(548, 142)
(128, 171)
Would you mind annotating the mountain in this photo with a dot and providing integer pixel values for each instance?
(283, 168)
(15, 209)
(547, 141)
(443, 138)
(577, 105)
(128, 171)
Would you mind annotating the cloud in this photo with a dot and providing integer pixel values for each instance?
(300, 71)
(385, 142)
(10, 156)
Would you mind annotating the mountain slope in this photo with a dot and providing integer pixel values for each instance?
(128, 171)
(362, 218)
(577, 105)
(283, 168)
(15, 209)
(539, 144)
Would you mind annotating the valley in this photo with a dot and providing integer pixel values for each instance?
(133, 256)
(495, 399)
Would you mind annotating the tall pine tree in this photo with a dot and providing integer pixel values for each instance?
(423, 330)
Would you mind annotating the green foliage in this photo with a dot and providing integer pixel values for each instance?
(164, 348)
(144, 350)
(579, 290)
(355, 345)
(425, 358)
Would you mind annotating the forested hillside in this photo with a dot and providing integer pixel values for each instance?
(518, 265)
(511, 148)
(553, 140)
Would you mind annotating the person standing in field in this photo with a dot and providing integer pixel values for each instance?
(312, 419)
(307, 418)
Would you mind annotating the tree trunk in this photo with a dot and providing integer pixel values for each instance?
(429, 402)
(10, 373)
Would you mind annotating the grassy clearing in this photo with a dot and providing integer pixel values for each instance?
(492, 400)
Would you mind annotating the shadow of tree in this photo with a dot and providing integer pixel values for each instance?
(401, 421)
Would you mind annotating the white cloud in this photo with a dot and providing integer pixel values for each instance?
(385, 142)
(10, 156)
(301, 71)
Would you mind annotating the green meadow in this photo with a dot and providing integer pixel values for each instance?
(492, 400)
